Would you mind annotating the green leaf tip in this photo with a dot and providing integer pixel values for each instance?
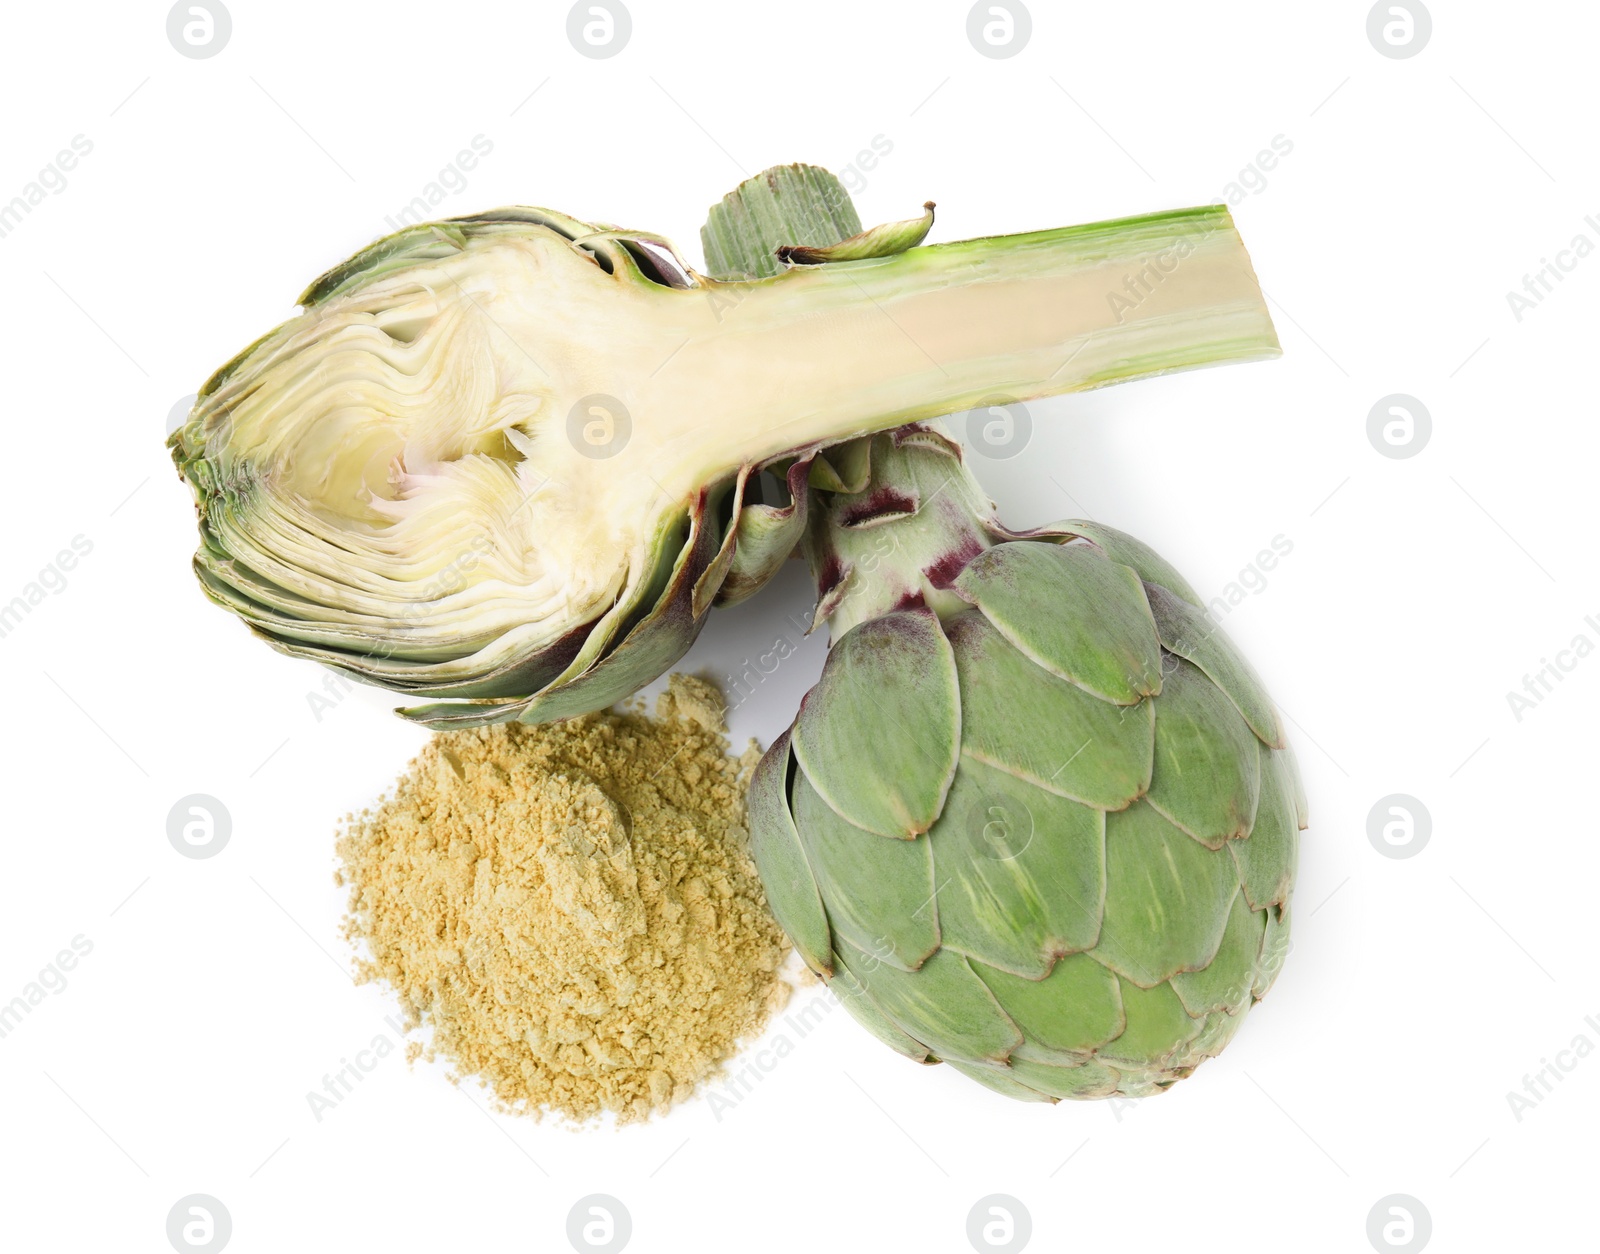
(880, 241)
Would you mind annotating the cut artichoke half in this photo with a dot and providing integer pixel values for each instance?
(506, 461)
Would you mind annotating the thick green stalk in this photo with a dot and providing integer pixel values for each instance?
(943, 328)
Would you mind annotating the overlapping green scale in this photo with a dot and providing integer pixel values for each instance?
(1207, 771)
(1089, 1079)
(878, 892)
(853, 995)
(1266, 860)
(1019, 872)
(943, 1005)
(879, 735)
(1189, 633)
(1218, 1030)
(1043, 729)
(1138, 556)
(1099, 633)
(1301, 809)
(786, 874)
(1067, 1015)
(1274, 949)
(1158, 1027)
(1225, 982)
(1167, 898)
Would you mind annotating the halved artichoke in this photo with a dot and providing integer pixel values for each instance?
(505, 461)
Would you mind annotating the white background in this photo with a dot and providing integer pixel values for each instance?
(1420, 991)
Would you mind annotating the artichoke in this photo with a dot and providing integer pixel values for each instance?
(504, 464)
(1038, 818)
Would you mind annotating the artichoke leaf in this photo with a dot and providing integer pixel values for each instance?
(878, 241)
(1026, 720)
(765, 536)
(855, 998)
(785, 204)
(942, 1004)
(1226, 982)
(879, 735)
(1190, 634)
(1085, 1080)
(1070, 1013)
(781, 860)
(1267, 857)
(844, 467)
(1158, 1027)
(1274, 950)
(1095, 629)
(1218, 1028)
(1167, 898)
(1019, 872)
(1149, 565)
(1207, 772)
(878, 892)
(1297, 789)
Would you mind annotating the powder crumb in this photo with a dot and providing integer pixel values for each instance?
(695, 699)
(572, 907)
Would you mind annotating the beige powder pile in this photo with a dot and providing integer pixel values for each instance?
(572, 907)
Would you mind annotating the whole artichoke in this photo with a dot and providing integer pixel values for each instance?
(1038, 819)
